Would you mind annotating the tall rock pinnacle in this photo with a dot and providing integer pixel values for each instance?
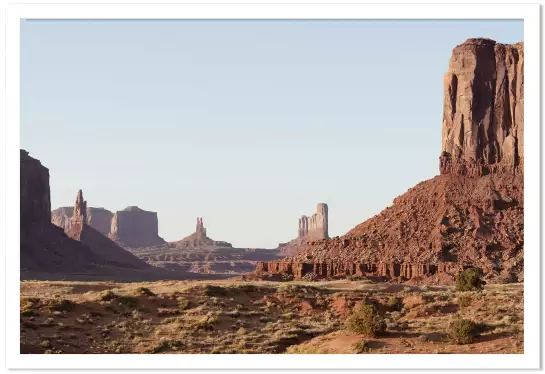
(80, 211)
(483, 111)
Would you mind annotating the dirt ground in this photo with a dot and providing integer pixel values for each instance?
(262, 317)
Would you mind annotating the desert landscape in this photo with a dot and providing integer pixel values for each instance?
(441, 270)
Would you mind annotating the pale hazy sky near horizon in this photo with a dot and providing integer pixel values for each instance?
(248, 124)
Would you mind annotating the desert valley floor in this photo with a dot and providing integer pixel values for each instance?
(239, 316)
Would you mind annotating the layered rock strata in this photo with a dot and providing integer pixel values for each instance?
(483, 111)
(135, 227)
(335, 269)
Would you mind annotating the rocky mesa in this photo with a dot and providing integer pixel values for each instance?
(136, 228)
(98, 218)
(472, 214)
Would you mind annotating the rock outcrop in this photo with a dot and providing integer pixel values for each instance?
(483, 113)
(44, 246)
(315, 226)
(470, 215)
(199, 240)
(98, 218)
(135, 228)
(98, 243)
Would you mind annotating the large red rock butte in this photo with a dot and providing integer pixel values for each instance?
(314, 227)
(472, 214)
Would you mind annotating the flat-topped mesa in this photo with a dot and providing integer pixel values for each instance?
(483, 111)
(316, 226)
(135, 227)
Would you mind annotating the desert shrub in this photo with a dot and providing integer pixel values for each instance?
(129, 301)
(246, 288)
(210, 290)
(361, 346)
(464, 300)
(144, 291)
(107, 295)
(165, 345)
(183, 304)
(62, 305)
(463, 331)
(367, 321)
(470, 280)
(45, 344)
(285, 276)
(309, 277)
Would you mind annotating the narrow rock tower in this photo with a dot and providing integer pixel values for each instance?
(80, 211)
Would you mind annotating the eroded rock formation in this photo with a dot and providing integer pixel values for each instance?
(483, 112)
(44, 246)
(98, 218)
(315, 226)
(199, 240)
(135, 227)
(450, 221)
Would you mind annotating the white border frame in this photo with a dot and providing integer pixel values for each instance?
(530, 13)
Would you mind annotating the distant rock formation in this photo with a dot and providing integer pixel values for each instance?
(199, 240)
(98, 218)
(315, 226)
(483, 112)
(98, 243)
(136, 228)
(35, 195)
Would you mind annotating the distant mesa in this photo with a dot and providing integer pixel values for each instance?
(136, 228)
(98, 218)
(311, 228)
(315, 226)
(97, 242)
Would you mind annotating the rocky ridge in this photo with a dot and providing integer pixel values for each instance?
(470, 215)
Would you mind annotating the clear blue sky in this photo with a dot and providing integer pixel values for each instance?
(248, 124)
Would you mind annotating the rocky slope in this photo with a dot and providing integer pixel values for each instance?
(470, 215)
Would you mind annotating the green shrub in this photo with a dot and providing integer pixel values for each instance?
(470, 280)
(62, 305)
(107, 295)
(356, 278)
(463, 331)
(129, 301)
(367, 321)
(362, 346)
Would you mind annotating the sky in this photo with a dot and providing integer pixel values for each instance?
(248, 124)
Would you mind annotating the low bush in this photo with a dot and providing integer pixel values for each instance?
(470, 280)
(144, 291)
(361, 346)
(210, 290)
(367, 321)
(464, 300)
(463, 331)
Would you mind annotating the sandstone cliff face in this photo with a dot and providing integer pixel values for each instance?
(135, 227)
(35, 194)
(98, 218)
(44, 246)
(483, 113)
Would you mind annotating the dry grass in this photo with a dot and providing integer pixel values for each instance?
(261, 317)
